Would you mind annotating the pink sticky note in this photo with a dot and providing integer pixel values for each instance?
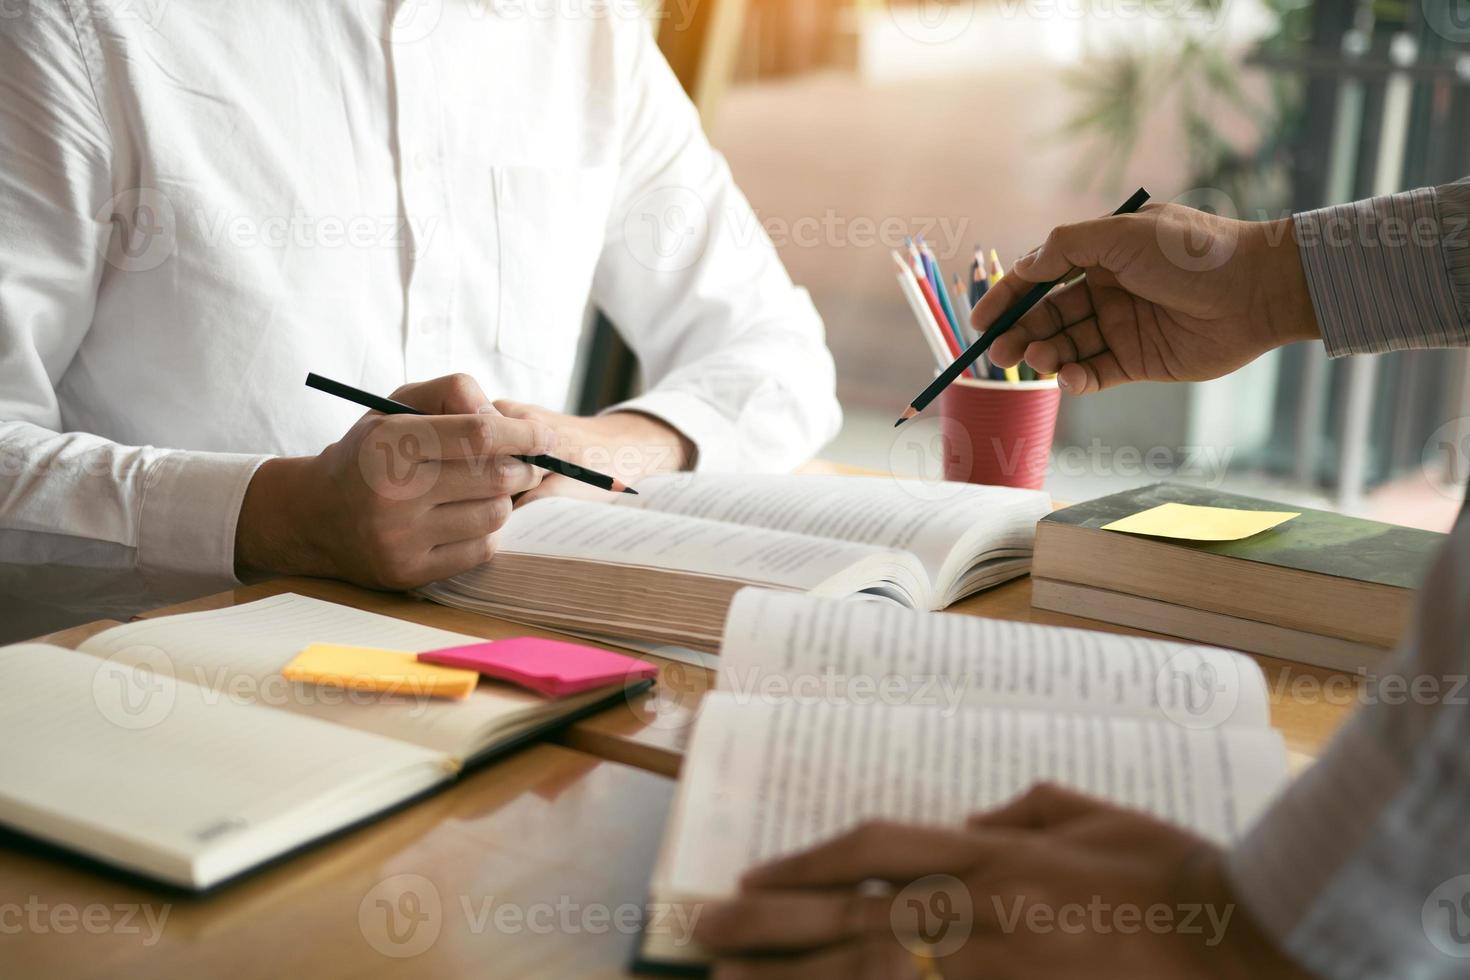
(547, 667)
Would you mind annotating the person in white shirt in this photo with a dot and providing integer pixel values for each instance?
(201, 203)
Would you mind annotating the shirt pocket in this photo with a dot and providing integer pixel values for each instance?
(553, 221)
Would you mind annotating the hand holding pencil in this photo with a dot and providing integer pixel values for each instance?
(1001, 323)
(400, 500)
(1170, 294)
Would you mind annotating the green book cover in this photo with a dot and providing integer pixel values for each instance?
(1317, 541)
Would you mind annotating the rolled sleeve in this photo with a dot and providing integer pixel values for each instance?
(1390, 273)
(191, 505)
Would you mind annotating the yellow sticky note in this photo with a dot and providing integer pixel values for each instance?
(1191, 523)
(384, 671)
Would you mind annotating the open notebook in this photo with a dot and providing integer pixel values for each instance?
(663, 566)
(173, 747)
(826, 714)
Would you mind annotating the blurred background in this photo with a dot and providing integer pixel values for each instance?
(851, 124)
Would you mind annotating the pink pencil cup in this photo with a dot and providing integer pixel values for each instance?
(998, 432)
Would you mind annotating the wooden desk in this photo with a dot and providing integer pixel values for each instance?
(532, 867)
(559, 839)
(651, 731)
(77, 635)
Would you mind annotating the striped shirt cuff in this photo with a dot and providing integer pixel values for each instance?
(1391, 273)
(1454, 215)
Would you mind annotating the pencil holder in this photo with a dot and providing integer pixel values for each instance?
(998, 432)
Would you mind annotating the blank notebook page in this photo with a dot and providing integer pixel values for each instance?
(158, 764)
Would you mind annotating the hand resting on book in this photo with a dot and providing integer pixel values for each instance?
(1052, 884)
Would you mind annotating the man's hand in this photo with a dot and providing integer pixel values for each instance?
(1052, 885)
(1171, 294)
(401, 500)
(627, 445)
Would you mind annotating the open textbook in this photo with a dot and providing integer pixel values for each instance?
(173, 747)
(663, 566)
(826, 714)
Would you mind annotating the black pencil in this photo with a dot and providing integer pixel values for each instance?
(1007, 320)
(390, 407)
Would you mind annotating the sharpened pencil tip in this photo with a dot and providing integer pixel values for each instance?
(908, 413)
(618, 486)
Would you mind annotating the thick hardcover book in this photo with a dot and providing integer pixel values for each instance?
(1322, 573)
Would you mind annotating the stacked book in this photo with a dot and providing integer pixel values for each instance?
(1322, 588)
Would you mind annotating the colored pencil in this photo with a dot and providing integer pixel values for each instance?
(935, 323)
(937, 311)
(962, 308)
(922, 317)
(979, 286)
(979, 282)
(390, 407)
(1007, 320)
(936, 281)
(961, 302)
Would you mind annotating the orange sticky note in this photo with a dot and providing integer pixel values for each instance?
(382, 671)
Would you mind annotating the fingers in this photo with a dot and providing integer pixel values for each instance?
(467, 519)
(783, 921)
(1061, 309)
(481, 479)
(456, 394)
(469, 436)
(423, 484)
(476, 454)
(1103, 244)
(1107, 243)
(873, 958)
(1076, 343)
(523, 410)
(887, 851)
(556, 485)
(1044, 805)
(447, 560)
(999, 298)
(1092, 375)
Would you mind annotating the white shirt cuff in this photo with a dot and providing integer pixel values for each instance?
(191, 504)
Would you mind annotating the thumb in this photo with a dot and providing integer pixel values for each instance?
(1108, 243)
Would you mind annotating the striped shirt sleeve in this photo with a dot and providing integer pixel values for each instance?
(1391, 273)
(1362, 867)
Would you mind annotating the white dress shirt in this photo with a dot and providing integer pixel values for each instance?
(201, 201)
